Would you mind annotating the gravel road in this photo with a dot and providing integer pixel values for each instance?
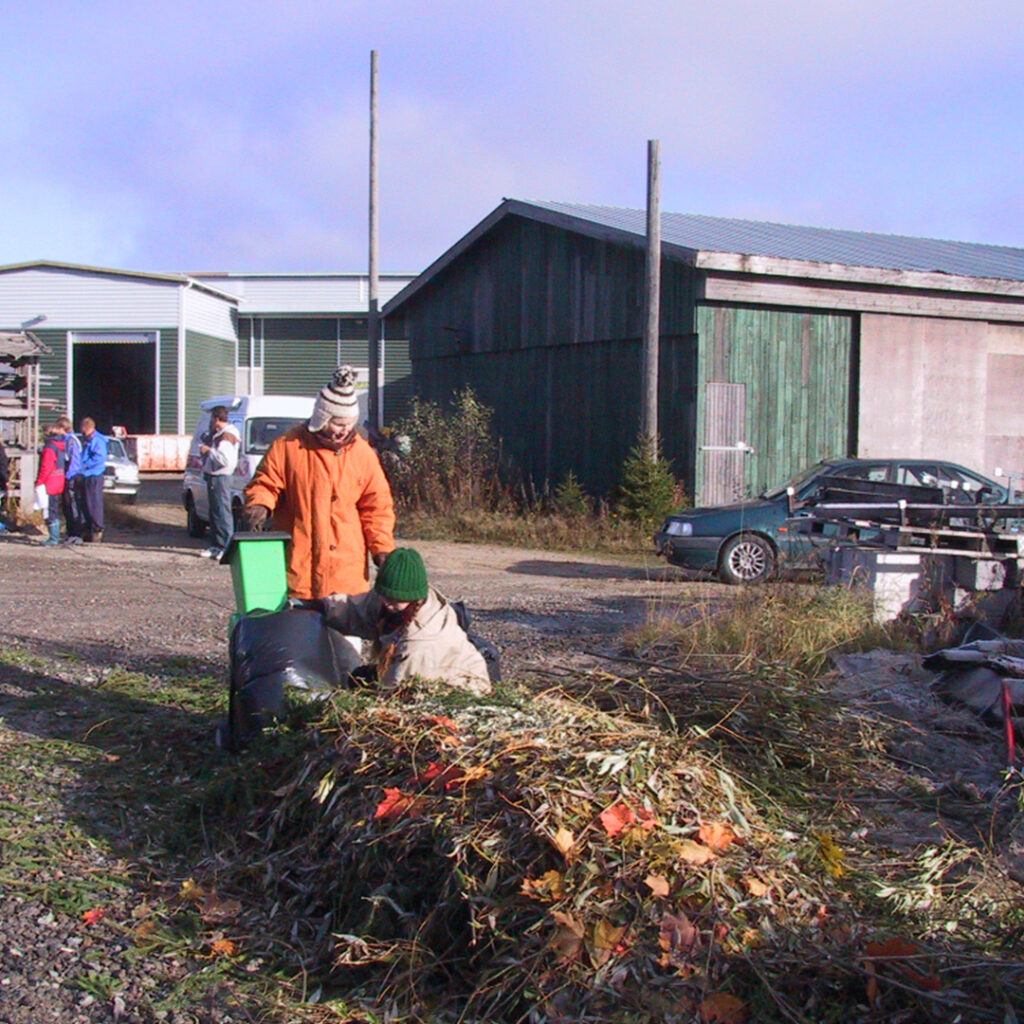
(144, 592)
(143, 598)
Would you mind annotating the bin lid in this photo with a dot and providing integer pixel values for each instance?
(249, 537)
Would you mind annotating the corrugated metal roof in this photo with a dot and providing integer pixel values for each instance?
(817, 245)
(139, 275)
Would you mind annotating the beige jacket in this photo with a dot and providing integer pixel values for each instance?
(432, 646)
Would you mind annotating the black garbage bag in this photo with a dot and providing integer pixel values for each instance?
(270, 652)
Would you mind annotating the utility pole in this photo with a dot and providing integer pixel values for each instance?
(652, 295)
(373, 318)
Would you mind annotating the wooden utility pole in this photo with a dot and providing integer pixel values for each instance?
(373, 318)
(652, 295)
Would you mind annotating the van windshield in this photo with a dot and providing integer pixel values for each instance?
(260, 432)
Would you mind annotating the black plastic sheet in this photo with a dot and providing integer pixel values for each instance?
(272, 651)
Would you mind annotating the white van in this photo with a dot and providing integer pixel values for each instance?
(260, 419)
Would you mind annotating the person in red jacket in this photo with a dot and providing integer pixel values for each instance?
(50, 479)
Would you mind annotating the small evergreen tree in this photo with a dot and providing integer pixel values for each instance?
(570, 499)
(649, 490)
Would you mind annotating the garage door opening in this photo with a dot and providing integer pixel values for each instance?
(114, 381)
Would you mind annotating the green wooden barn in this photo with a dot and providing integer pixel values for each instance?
(779, 345)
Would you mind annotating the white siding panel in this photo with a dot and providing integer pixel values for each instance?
(207, 314)
(923, 389)
(1004, 422)
(261, 294)
(82, 299)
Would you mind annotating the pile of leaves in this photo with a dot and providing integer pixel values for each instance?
(538, 859)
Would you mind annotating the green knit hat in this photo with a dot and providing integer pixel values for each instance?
(402, 577)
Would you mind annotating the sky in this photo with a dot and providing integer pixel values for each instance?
(234, 136)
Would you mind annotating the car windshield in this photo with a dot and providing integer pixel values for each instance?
(115, 449)
(797, 481)
(262, 431)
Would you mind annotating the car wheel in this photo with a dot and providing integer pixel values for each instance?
(746, 558)
(196, 526)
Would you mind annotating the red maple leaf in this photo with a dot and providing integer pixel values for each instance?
(395, 804)
(617, 819)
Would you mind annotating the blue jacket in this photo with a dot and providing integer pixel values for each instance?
(73, 448)
(94, 455)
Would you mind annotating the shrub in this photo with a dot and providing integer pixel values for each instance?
(451, 461)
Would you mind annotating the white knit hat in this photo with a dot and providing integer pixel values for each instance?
(336, 399)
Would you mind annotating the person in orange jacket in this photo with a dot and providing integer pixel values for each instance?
(323, 483)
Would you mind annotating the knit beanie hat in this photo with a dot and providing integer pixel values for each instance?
(336, 399)
(402, 577)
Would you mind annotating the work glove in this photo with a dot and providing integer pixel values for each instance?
(380, 558)
(255, 517)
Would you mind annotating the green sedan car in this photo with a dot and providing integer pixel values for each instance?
(746, 542)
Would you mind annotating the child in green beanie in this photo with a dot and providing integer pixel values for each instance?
(414, 629)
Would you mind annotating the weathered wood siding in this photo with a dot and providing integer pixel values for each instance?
(545, 326)
(797, 370)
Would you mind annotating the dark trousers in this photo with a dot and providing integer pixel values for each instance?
(218, 490)
(71, 500)
(92, 504)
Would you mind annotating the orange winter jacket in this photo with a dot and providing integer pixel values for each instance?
(335, 505)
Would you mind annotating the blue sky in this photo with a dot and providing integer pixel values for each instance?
(234, 136)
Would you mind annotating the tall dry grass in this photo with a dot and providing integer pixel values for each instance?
(795, 627)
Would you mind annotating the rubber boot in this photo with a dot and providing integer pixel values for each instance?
(54, 538)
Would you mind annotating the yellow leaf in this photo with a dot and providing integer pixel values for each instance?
(323, 791)
(693, 853)
(548, 888)
(658, 884)
(564, 841)
(191, 892)
(605, 938)
(832, 857)
(223, 947)
(756, 887)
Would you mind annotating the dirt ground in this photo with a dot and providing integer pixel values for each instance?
(144, 600)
